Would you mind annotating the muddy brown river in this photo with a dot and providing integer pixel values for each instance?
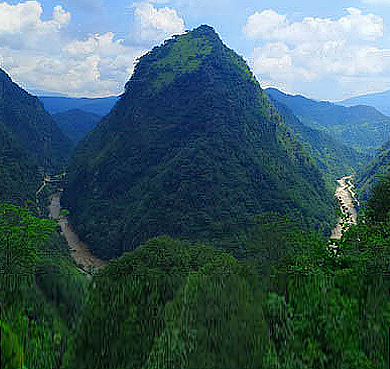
(345, 194)
(79, 250)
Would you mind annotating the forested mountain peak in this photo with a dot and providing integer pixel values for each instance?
(193, 149)
(182, 55)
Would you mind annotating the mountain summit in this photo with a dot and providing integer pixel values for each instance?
(194, 149)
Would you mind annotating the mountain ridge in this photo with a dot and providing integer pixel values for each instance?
(31, 141)
(379, 100)
(333, 157)
(76, 123)
(193, 149)
(361, 127)
(99, 105)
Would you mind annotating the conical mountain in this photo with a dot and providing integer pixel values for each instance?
(193, 149)
(30, 141)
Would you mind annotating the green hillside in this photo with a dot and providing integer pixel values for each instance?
(31, 142)
(41, 291)
(361, 127)
(76, 123)
(193, 149)
(377, 169)
(333, 158)
(172, 304)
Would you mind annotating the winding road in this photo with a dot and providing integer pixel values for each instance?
(346, 195)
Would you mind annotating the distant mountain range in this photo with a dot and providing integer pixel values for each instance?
(194, 149)
(361, 127)
(380, 101)
(76, 123)
(333, 157)
(100, 106)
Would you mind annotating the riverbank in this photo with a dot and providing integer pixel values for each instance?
(346, 196)
(79, 250)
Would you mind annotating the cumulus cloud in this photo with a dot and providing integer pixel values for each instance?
(270, 25)
(316, 49)
(153, 25)
(21, 25)
(37, 54)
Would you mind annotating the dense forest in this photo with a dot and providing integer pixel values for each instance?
(76, 123)
(214, 210)
(171, 304)
(194, 149)
(361, 127)
(31, 143)
(378, 168)
(334, 158)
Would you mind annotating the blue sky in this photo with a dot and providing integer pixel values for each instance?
(324, 50)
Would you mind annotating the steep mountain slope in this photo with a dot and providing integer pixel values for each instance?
(100, 106)
(76, 123)
(361, 127)
(380, 101)
(19, 173)
(30, 139)
(374, 172)
(193, 149)
(332, 157)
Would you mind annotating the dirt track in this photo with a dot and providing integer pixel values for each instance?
(345, 194)
(79, 249)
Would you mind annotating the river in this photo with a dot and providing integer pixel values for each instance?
(345, 193)
(79, 250)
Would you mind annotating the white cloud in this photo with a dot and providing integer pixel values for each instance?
(153, 25)
(270, 25)
(317, 49)
(38, 55)
(21, 25)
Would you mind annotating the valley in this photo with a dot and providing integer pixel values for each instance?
(189, 225)
(79, 250)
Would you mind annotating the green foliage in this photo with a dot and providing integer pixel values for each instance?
(332, 157)
(379, 202)
(19, 178)
(64, 212)
(185, 56)
(170, 303)
(76, 123)
(20, 235)
(41, 293)
(373, 173)
(30, 143)
(213, 322)
(11, 352)
(361, 127)
(197, 158)
(25, 118)
(336, 308)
